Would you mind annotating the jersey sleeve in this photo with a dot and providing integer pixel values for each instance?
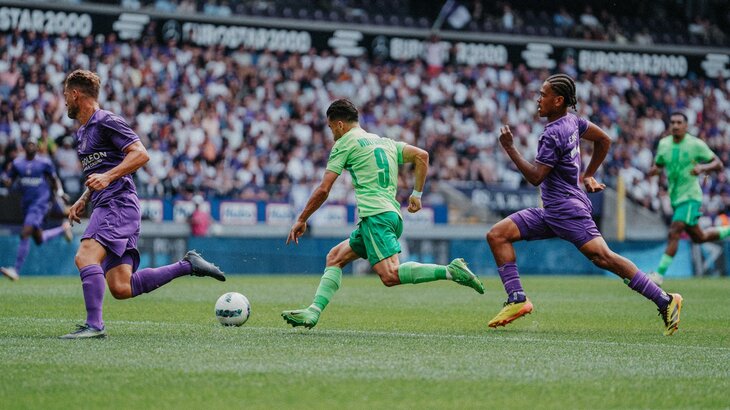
(399, 146)
(120, 133)
(582, 125)
(703, 152)
(50, 169)
(338, 159)
(660, 159)
(12, 171)
(547, 150)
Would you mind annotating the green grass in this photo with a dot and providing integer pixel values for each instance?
(590, 343)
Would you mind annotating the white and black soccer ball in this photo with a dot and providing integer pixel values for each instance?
(232, 309)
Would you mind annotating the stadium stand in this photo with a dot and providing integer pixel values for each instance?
(249, 124)
(656, 22)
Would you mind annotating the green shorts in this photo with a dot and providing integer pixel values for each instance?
(688, 212)
(376, 237)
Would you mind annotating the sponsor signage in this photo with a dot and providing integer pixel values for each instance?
(49, 21)
(255, 38)
(632, 63)
(181, 210)
(503, 200)
(151, 209)
(279, 214)
(424, 217)
(55, 19)
(330, 215)
(238, 213)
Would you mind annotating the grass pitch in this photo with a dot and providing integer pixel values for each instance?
(590, 343)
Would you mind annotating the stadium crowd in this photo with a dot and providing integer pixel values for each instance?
(250, 125)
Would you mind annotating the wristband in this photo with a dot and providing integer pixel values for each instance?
(416, 194)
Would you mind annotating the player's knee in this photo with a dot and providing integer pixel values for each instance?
(698, 237)
(675, 233)
(82, 259)
(494, 236)
(332, 258)
(120, 290)
(338, 256)
(602, 259)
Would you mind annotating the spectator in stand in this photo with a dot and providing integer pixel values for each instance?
(199, 219)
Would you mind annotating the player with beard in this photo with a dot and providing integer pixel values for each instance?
(110, 152)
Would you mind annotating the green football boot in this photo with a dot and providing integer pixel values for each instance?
(307, 317)
(461, 274)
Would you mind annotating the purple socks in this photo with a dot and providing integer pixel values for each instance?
(94, 285)
(23, 249)
(149, 279)
(642, 284)
(511, 281)
(52, 233)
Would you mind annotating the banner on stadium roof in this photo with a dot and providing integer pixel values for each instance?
(204, 31)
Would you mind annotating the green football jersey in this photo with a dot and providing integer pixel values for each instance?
(373, 164)
(678, 160)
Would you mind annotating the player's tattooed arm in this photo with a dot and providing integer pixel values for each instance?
(76, 211)
(135, 157)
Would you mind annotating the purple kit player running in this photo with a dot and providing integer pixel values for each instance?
(566, 211)
(110, 152)
(36, 176)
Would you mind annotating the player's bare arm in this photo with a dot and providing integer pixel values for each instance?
(601, 145)
(419, 158)
(316, 200)
(655, 170)
(136, 156)
(712, 166)
(533, 173)
(76, 211)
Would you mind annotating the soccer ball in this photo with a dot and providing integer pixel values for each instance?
(232, 309)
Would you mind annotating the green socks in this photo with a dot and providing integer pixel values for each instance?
(414, 272)
(328, 285)
(664, 264)
(724, 232)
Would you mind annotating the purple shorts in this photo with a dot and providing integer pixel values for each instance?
(116, 227)
(35, 214)
(535, 223)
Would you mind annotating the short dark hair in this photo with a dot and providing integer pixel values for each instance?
(85, 81)
(564, 86)
(342, 109)
(679, 113)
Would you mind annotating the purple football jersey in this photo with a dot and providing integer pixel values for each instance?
(33, 178)
(100, 146)
(559, 148)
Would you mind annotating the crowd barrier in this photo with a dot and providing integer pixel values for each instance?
(270, 255)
